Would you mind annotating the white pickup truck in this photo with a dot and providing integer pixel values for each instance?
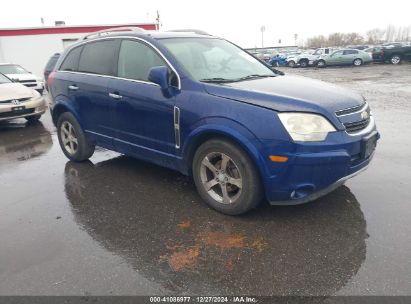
(306, 59)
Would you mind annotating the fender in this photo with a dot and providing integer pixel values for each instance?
(62, 102)
(228, 128)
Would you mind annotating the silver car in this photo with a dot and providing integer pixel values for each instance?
(19, 101)
(344, 57)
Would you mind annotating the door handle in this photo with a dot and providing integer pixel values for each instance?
(73, 87)
(115, 96)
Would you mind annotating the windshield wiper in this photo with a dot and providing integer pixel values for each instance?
(253, 76)
(216, 80)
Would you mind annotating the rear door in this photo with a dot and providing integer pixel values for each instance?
(96, 66)
(349, 56)
(144, 114)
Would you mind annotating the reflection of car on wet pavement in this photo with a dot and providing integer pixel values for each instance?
(20, 142)
(172, 239)
(242, 132)
(19, 101)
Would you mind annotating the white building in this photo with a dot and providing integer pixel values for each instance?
(32, 47)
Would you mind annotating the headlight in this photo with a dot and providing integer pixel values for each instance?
(305, 126)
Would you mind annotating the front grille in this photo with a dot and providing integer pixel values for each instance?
(350, 110)
(21, 100)
(16, 113)
(30, 84)
(353, 127)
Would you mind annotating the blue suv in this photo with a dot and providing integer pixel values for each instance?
(201, 105)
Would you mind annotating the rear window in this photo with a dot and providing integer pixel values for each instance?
(52, 62)
(99, 57)
(70, 63)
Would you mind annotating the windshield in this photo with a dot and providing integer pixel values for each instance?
(215, 60)
(4, 79)
(12, 69)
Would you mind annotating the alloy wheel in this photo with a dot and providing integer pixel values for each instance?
(357, 62)
(221, 177)
(68, 137)
(395, 59)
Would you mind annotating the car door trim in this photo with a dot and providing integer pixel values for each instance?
(177, 126)
(116, 77)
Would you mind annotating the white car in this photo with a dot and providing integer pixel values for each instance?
(19, 101)
(18, 73)
(306, 59)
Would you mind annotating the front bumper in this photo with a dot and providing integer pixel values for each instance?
(34, 106)
(314, 170)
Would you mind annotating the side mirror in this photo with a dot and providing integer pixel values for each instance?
(160, 76)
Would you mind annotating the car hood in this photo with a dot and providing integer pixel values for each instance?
(289, 93)
(20, 77)
(10, 91)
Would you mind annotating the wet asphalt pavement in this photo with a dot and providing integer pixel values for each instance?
(119, 226)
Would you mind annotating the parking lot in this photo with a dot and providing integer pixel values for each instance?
(119, 226)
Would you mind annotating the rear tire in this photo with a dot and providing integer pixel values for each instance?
(357, 62)
(226, 178)
(303, 63)
(321, 64)
(72, 139)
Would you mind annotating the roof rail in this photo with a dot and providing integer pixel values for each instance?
(199, 32)
(113, 30)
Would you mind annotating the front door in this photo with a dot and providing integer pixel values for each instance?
(144, 115)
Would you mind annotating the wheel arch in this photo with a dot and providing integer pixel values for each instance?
(198, 137)
(61, 107)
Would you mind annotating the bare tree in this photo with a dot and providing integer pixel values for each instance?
(390, 33)
(317, 41)
(336, 39)
(375, 35)
(353, 39)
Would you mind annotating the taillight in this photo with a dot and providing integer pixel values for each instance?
(50, 79)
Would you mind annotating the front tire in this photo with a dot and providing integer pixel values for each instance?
(291, 63)
(395, 59)
(72, 139)
(226, 178)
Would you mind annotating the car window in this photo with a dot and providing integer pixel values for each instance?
(208, 59)
(12, 69)
(350, 52)
(70, 63)
(4, 79)
(99, 57)
(136, 59)
(52, 62)
(338, 53)
(326, 51)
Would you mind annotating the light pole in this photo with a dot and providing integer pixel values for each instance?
(262, 35)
